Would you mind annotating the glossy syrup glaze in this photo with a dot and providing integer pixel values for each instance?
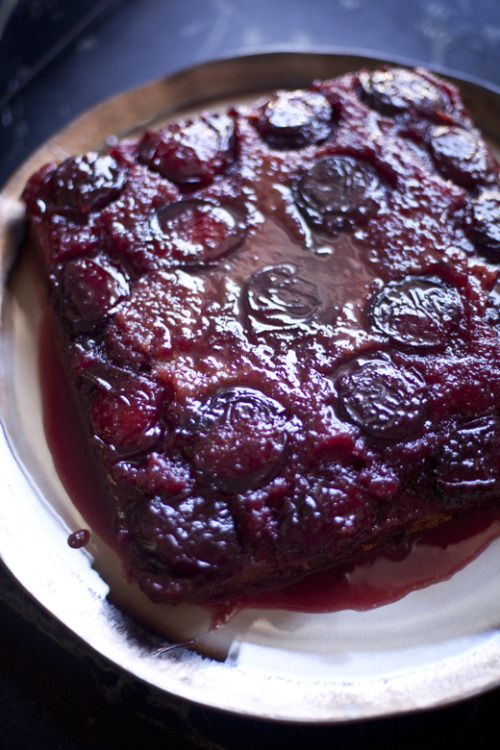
(282, 327)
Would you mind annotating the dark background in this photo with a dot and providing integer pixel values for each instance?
(58, 58)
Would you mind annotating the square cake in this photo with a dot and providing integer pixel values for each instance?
(281, 324)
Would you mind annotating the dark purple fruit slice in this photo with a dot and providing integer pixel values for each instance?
(192, 152)
(485, 220)
(186, 537)
(339, 192)
(125, 415)
(294, 119)
(278, 297)
(198, 231)
(383, 400)
(468, 464)
(333, 510)
(85, 183)
(417, 312)
(395, 90)
(238, 440)
(459, 154)
(93, 287)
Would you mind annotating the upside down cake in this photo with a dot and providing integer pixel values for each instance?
(281, 322)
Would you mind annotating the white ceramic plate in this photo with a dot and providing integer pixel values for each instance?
(436, 645)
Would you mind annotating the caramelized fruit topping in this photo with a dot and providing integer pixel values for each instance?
(417, 312)
(282, 324)
(190, 153)
(294, 119)
(338, 192)
(82, 184)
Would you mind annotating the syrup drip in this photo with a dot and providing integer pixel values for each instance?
(79, 538)
(69, 448)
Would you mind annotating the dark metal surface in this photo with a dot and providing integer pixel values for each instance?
(54, 693)
(46, 29)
